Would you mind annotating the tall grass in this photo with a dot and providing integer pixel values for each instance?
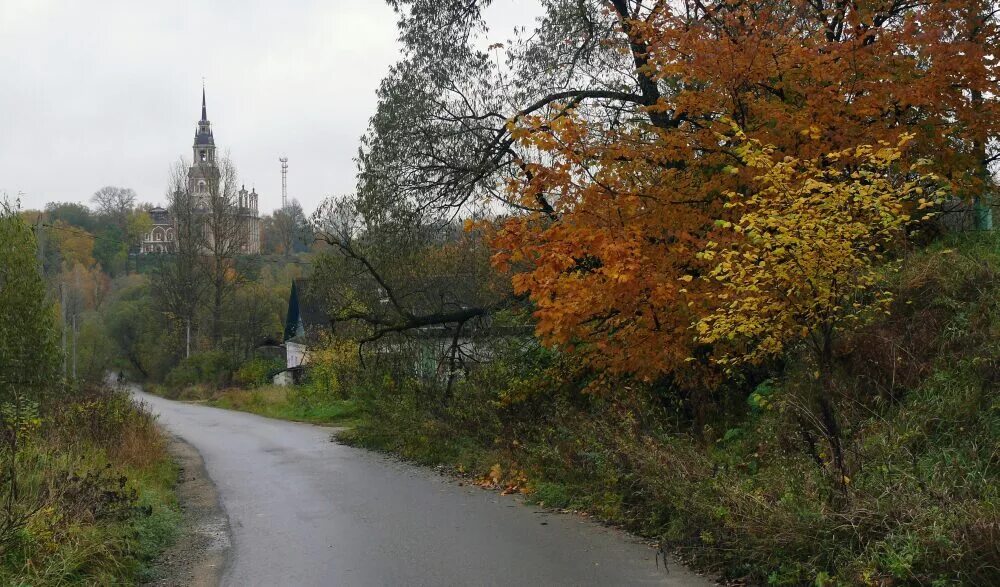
(287, 403)
(94, 483)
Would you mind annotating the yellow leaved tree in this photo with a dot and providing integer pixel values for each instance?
(812, 242)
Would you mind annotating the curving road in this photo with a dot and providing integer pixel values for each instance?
(307, 511)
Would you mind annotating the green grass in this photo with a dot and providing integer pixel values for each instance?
(271, 401)
(286, 403)
(153, 533)
(340, 412)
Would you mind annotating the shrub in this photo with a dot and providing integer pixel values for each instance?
(212, 367)
(332, 365)
(93, 482)
(257, 371)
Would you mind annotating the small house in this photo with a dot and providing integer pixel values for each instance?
(305, 319)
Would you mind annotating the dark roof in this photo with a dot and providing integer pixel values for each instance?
(310, 307)
(304, 307)
(204, 138)
(268, 341)
(160, 217)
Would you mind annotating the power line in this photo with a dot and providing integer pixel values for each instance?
(82, 232)
(288, 261)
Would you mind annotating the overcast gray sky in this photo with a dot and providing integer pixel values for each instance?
(108, 92)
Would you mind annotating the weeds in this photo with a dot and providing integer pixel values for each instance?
(94, 495)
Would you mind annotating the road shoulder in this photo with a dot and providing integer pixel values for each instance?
(198, 557)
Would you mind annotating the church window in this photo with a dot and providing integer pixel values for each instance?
(204, 155)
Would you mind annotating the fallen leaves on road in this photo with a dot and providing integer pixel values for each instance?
(513, 482)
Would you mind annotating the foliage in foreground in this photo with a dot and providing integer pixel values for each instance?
(93, 501)
(755, 494)
(85, 482)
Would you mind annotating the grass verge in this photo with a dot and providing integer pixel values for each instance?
(272, 401)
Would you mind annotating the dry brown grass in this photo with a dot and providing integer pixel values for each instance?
(142, 445)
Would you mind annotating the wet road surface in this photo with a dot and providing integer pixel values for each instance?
(307, 511)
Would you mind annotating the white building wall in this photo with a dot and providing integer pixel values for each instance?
(295, 354)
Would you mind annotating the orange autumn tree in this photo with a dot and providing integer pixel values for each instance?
(633, 196)
(630, 214)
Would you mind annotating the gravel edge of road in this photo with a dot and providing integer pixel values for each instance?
(200, 555)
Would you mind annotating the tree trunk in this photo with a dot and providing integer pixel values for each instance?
(217, 313)
(828, 411)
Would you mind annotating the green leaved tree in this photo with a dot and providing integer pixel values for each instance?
(29, 359)
(29, 356)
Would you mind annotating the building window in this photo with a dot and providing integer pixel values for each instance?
(204, 155)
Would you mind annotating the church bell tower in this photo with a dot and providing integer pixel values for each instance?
(204, 173)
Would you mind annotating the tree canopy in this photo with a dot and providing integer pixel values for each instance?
(599, 148)
(28, 349)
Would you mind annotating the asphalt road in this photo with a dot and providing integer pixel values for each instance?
(307, 511)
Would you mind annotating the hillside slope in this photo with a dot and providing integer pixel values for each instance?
(751, 494)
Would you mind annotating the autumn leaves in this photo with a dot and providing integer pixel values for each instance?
(804, 146)
(809, 247)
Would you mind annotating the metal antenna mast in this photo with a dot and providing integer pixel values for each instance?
(284, 182)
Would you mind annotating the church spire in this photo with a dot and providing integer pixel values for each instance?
(204, 111)
(204, 143)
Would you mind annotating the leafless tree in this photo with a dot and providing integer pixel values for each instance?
(224, 239)
(290, 226)
(116, 203)
(181, 283)
(430, 282)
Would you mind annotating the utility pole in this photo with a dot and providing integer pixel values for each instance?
(74, 347)
(62, 308)
(187, 352)
(40, 239)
